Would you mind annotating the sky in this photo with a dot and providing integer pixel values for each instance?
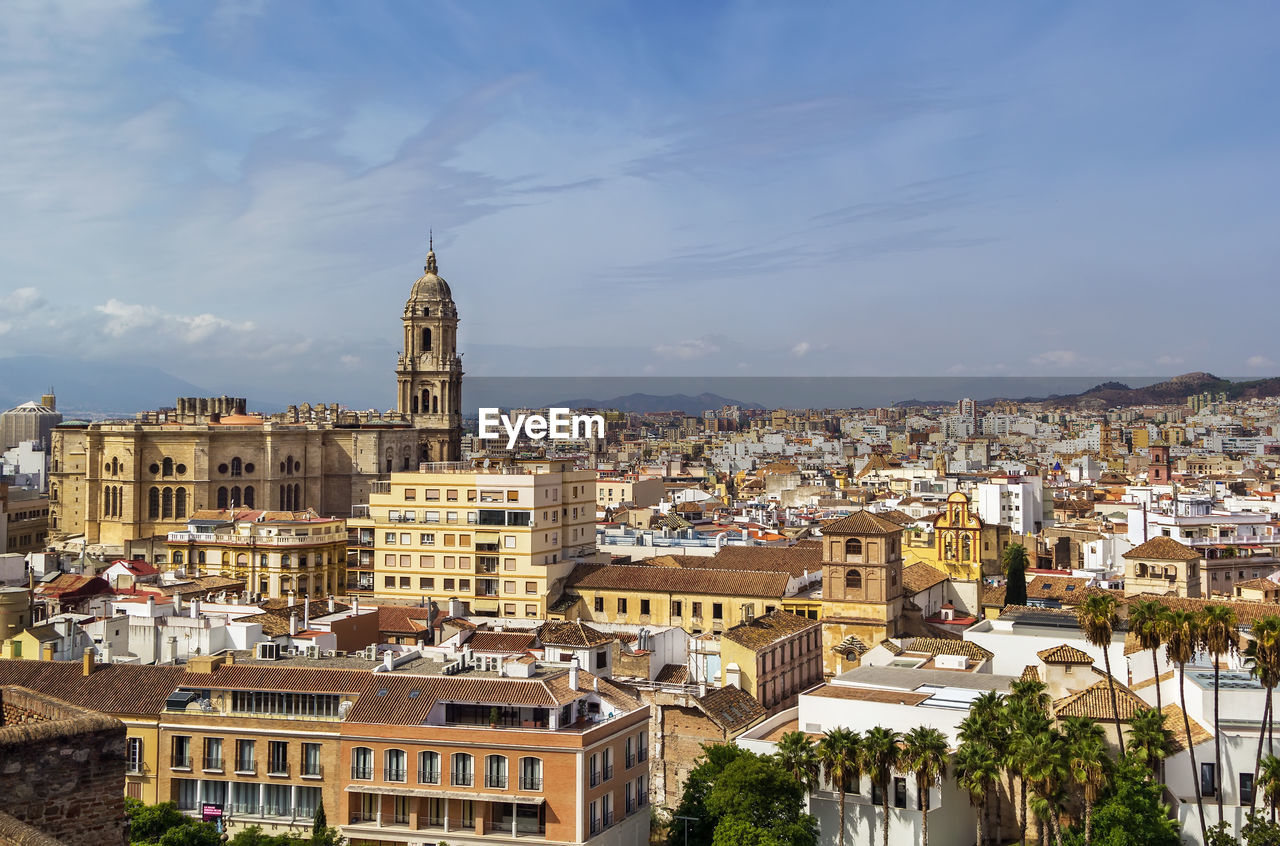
(241, 192)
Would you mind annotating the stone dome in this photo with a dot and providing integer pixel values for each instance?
(430, 286)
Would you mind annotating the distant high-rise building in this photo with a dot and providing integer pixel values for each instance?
(29, 422)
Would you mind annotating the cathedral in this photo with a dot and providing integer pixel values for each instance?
(429, 373)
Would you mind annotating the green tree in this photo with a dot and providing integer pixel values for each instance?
(1258, 831)
(1026, 714)
(839, 753)
(1220, 634)
(751, 796)
(1087, 763)
(977, 771)
(1097, 615)
(1269, 783)
(881, 754)
(1015, 561)
(799, 756)
(1262, 657)
(988, 723)
(693, 801)
(1181, 638)
(924, 753)
(1149, 741)
(1130, 811)
(1046, 773)
(148, 822)
(1147, 620)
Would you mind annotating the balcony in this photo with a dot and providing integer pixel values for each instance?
(312, 771)
(462, 779)
(180, 762)
(246, 767)
(134, 768)
(212, 765)
(278, 769)
(631, 761)
(496, 781)
(595, 778)
(394, 773)
(608, 772)
(362, 773)
(607, 818)
(530, 782)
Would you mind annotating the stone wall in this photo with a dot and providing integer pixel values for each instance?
(61, 773)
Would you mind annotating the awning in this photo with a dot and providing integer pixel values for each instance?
(446, 793)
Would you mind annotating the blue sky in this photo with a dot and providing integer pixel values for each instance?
(240, 192)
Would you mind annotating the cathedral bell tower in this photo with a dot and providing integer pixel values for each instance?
(429, 373)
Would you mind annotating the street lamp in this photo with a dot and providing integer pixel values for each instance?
(687, 820)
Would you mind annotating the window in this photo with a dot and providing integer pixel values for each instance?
(181, 752)
(602, 659)
(644, 607)
(642, 746)
(188, 792)
(899, 792)
(622, 605)
(607, 758)
(530, 773)
(389, 538)
(599, 604)
(531, 587)
(462, 769)
(1207, 780)
(717, 611)
(853, 546)
(311, 760)
(595, 818)
(387, 581)
(308, 801)
(595, 771)
(425, 583)
(495, 772)
(427, 539)
(428, 768)
(676, 608)
(213, 753)
(277, 800)
(362, 763)
(1246, 788)
(697, 609)
(244, 757)
(133, 762)
(278, 757)
(853, 580)
(394, 765)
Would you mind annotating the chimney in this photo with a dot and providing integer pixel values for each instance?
(195, 609)
(389, 660)
(177, 604)
(573, 673)
(293, 624)
(87, 666)
(355, 605)
(702, 689)
(332, 607)
(306, 612)
(151, 605)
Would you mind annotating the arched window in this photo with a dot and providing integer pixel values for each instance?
(166, 504)
(153, 504)
(428, 768)
(236, 467)
(106, 502)
(115, 466)
(200, 556)
(530, 773)
(362, 763)
(248, 496)
(853, 580)
(463, 769)
(286, 560)
(435, 405)
(242, 560)
(115, 505)
(166, 467)
(495, 772)
(177, 556)
(853, 546)
(394, 765)
(180, 506)
(426, 340)
(283, 488)
(966, 547)
(222, 498)
(414, 405)
(235, 496)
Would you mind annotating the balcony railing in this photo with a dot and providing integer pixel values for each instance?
(496, 780)
(394, 773)
(607, 818)
(180, 762)
(278, 768)
(135, 767)
(362, 773)
(212, 764)
(246, 767)
(595, 777)
(462, 779)
(530, 782)
(608, 772)
(631, 761)
(312, 771)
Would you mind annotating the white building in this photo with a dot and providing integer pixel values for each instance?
(1014, 501)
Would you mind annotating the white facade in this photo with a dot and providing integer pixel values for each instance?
(1015, 502)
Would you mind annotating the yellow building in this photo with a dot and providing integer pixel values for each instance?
(275, 553)
(961, 544)
(501, 539)
(774, 658)
(1162, 566)
(861, 583)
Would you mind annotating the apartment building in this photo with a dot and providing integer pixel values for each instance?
(612, 490)
(275, 553)
(500, 538)
(773, 657)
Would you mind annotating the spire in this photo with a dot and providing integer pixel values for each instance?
(431, 253)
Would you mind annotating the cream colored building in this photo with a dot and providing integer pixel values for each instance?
(275, 553)
(643, 493)
(501, 539)
(1162, 566)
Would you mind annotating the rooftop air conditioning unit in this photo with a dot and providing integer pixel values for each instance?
(331, 653)
(267, 651)
(313, 651)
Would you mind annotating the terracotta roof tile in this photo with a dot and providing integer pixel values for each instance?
(1064, 654)
(1095, 701)
(920, 576)
(944, 646)
(501, 641)
(673, 674)
(731, 708)
(1031, 673)
(861, 523)
(771, 628)
(1162, 549)
(554, 633)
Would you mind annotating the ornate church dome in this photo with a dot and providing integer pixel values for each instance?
(430, 286)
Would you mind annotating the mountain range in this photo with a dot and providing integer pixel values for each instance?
(1170, 391)
(654, 404)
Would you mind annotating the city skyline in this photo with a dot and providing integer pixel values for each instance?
(1042, 193)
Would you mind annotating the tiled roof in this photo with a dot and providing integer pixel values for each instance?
(1247, 611)
(900, 517)
(1173, 723)
(861, 523)
(1064, 654)
(1031, 673)
(893, 648)
(731, 708)
(566, 601)
(1095, 702)
(793, 560)
(396, 619)
(673, 674)
(1162, 549)
(920, 576)
(69, 584)
(501, 641)
(553, 633)
(771, 628)
(640, 578)
(852, 643)
(408, 700)
(111, 688)
(280, 677)
(943, 646)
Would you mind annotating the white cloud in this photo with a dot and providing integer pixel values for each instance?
(1057, 358)
(23, 301)
(1259, 361)
(1167, 360)
(688, 350)
(801, 349)
(127, 319)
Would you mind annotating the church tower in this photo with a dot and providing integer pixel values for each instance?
(429, 374)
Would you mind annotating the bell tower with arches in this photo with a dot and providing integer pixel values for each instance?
(429, 373)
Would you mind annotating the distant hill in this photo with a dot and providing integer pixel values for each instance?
(651, 404)
(90, 387)
(1170, 392)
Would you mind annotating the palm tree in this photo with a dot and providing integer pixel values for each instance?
(1262, 656)
(1149, 740)
(1220, 633)
(1087, 762)
(1026, 714)
(988, 724)
(1015, 562)
(1181, 638)
(799, 757)
(976, 772)
(1147, 620)
(840, 758)
(924, 752)
(880, 754)
(1269, 782)
(1046, 771)
(1097, 616)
